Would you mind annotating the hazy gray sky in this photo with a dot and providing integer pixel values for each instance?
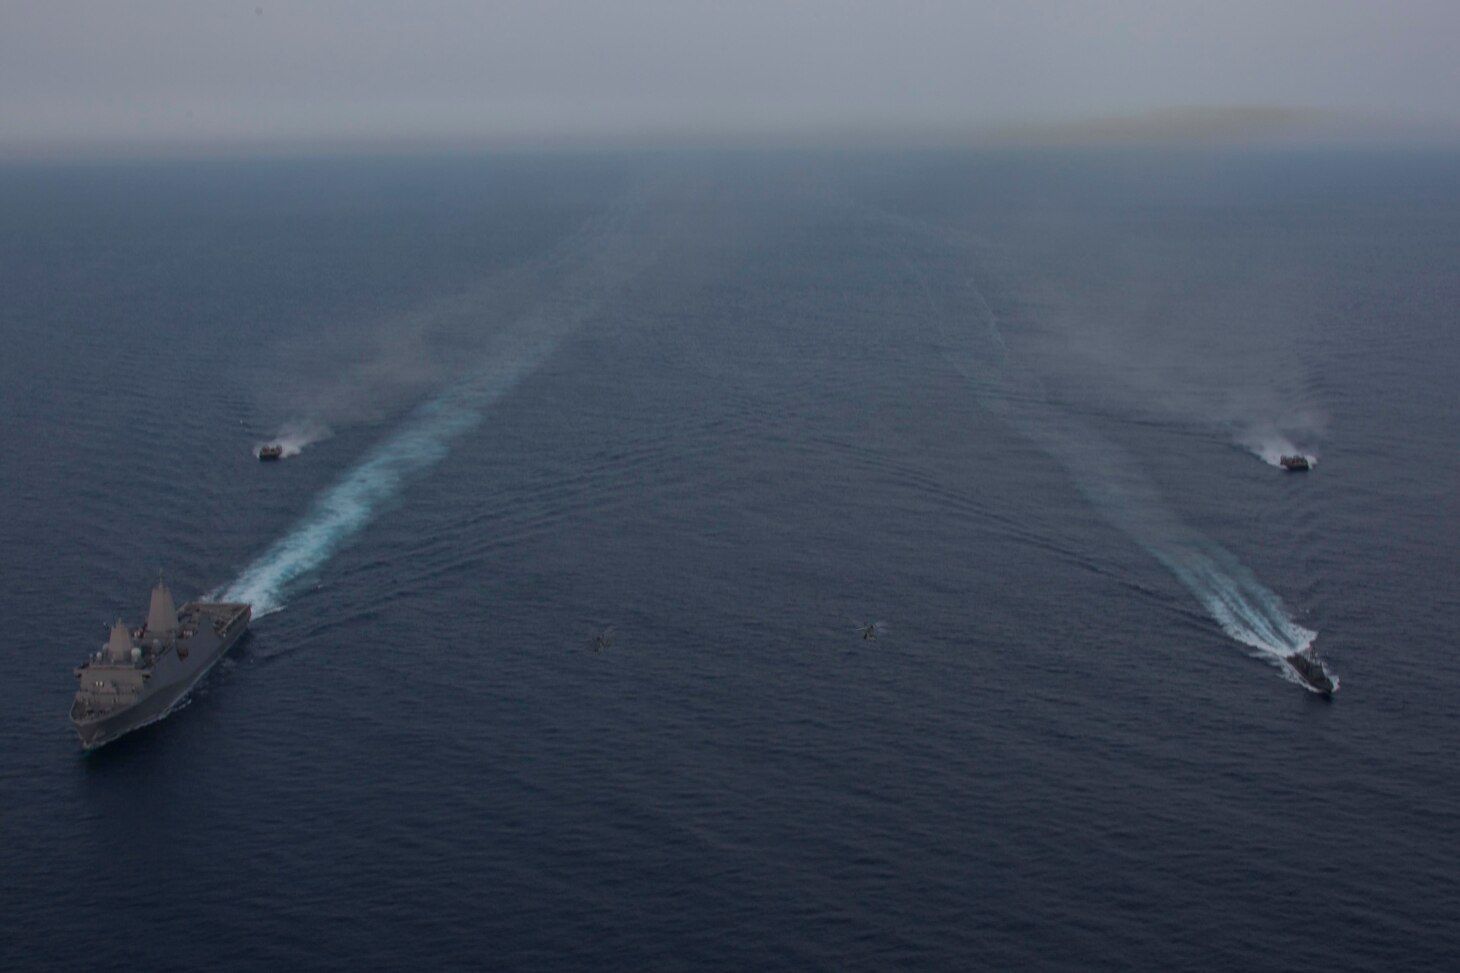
(123, 73)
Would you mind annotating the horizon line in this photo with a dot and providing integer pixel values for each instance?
(1176, 127)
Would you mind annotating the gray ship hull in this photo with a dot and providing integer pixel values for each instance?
(117, 697)
(1313, 673)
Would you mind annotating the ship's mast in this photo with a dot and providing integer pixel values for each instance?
(162, 614)
(119, 646)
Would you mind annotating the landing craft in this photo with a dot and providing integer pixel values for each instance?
(1312, 671)
(271, 452)
(1297, 463)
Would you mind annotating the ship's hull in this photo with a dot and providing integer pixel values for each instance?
(1314, 675)
(171, 683)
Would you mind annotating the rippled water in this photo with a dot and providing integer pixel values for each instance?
(1016, 408)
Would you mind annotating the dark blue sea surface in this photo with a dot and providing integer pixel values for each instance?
(1022, 410)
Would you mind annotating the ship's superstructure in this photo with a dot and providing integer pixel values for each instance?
(1313, 672)
(139, 676)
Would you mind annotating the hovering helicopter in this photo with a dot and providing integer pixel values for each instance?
(870, 630)
(602, 640)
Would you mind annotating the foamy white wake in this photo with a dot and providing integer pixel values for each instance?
(348, 506)
(1117, 487)
(599, 260)
(295, 434)
(1270, 446)
(1245, 609)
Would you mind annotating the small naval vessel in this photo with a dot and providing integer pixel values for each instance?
(1312, 671)
(141, 675)
(271, 451)
(1297, 463)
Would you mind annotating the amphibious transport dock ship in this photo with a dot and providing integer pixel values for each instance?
(140, 676)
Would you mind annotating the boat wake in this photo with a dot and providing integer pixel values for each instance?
(351, 503)
(1231, 594)
(1242, 606)
(295, 435)
(1114, 484)
(1270, 446)
(595, 264)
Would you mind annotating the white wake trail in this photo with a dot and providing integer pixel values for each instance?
(597, 262)
(1231, 594)
(1245, 609)
(296, 434)
(345, 508)
(1270, 446)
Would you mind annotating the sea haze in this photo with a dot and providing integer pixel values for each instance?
(1022, 410)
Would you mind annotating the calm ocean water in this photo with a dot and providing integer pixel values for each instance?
(1020, 409)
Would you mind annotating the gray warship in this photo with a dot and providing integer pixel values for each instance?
(1312, 671)
(140, 676)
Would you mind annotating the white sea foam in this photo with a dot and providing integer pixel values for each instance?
(1244, 608)
(296, 434)
(1116, 486)
(345, 508)
(596, 260)
(1270, 445)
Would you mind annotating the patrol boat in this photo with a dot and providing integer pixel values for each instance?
(1312, 671)
(139, 676)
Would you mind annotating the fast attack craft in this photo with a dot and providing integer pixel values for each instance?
(1311, 670)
